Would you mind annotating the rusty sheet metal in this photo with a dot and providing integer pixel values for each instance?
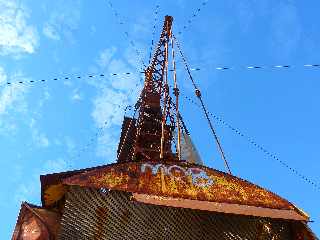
(35, 223)
(179, 180)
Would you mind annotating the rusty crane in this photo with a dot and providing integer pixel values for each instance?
(155, 190)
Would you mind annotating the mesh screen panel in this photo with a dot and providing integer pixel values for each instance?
(94, 214)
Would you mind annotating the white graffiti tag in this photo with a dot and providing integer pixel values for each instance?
(199, 177)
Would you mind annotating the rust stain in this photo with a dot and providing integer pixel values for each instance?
(181, 180)
(102, 215)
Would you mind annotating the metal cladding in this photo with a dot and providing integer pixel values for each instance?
(102, 214)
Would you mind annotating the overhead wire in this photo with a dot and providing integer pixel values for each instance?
(198, 69)
(260, 147)
(99, 132)
(69, 76)
(237, 131)
(219, 119)
(101, 129)
(255, 67)
(66, 77)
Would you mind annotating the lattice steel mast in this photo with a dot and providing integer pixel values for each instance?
(153, 135)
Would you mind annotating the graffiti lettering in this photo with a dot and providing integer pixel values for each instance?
(199, 177)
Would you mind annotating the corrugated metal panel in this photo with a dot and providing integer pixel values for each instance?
(102, 214)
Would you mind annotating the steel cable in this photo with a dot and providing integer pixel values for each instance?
(258, 146)
(198, 94)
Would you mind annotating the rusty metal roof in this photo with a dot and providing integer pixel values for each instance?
(179, 180)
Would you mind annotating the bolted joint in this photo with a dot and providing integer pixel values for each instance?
(176, 91)
(137, 105)
(198, 93)
(166, 87)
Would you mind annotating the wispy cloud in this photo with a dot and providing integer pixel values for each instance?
(17, 36)
(15, 110)
(39, 138)
(76, 96)
(112, 97)
(63, 20)
(105, 57)
(286, 30)
(11, 98)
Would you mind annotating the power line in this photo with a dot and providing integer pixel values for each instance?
(255, 67)
(67, 77)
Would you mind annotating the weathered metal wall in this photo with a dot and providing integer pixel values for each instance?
(102, 214)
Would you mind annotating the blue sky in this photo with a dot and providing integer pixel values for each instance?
(72, 123)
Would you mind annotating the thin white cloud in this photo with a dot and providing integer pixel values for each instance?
(286, 30)
(70, 144)
(12, 100)
(50, 32)
(17, 36)
(63, 20)
(39, 138)
(107, 144)
(13, 94)
(14, 109)
(45, 98)
(108, 107)
(76, 96)
(113, 95)
(106, 56)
